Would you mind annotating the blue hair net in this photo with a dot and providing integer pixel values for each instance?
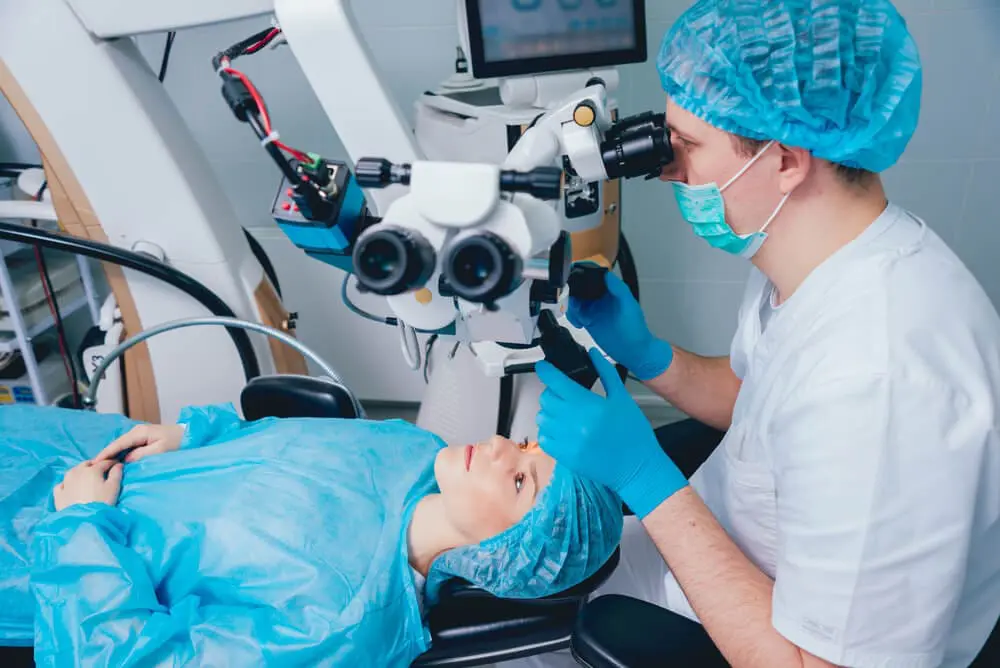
(841, 78)
(570, 532)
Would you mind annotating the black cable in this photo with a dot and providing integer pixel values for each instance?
(264, 260)
(279, 158)
(20, 166)
(166, 54)
(145, 265)
(237, 49)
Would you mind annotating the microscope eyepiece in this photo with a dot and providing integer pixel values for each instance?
(391, 260)
(637, 146)
(482, 268)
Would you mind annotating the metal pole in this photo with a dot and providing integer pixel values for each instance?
(21, 333)
(88, 288)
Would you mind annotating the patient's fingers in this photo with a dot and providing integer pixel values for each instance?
(135, 437)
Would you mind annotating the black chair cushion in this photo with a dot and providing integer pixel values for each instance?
(471, 627)
(620, 632)
(291, 396)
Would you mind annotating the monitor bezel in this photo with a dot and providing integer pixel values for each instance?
(483, 69)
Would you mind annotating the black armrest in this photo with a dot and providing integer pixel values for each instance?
(293, 396)
(620, 632)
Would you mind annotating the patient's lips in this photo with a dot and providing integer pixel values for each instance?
(469, 451)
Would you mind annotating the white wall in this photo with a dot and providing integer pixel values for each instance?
(690, 292)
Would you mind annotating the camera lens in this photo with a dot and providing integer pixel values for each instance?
(392, 260)
(482, 268)
(637, 146)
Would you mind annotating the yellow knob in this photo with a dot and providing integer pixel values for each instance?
(584, 115)
(423, 296)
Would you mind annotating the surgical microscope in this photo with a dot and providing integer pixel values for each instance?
(476, 251)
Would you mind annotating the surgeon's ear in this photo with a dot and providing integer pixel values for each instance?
(796, 166)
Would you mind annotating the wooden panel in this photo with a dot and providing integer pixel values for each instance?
(273, 314)
(76, 216)
(602, 241)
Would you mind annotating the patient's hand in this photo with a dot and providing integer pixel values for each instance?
(89, 482)
(146, 439)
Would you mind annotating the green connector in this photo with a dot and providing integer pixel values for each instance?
(316, 157)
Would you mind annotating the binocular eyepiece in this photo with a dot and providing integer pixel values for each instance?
(637, 146)
(481, 268)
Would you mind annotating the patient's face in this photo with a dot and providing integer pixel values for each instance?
(490, 486)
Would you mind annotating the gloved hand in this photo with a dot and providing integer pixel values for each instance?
(617, 324)
(606, 439)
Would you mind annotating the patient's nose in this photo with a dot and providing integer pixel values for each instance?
(500, 448)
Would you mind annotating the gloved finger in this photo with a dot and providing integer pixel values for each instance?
(610, 379)
(560, 383)
(552, 404)
(618, 288)
(573, 314)
(136, 436)
(581, 312)
(554, 430)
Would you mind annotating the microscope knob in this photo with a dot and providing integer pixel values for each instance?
(587, 281)
(584, 114)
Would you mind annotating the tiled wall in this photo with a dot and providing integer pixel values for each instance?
(948, 176)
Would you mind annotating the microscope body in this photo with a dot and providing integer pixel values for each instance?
(482, 248)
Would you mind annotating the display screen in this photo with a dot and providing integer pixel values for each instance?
(515, 30)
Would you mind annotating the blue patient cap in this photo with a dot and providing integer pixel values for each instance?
(841, 78)
(570, 532)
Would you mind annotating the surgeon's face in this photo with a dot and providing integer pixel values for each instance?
(490, 486)
(706, 154)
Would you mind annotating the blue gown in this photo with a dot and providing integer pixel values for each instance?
(257, 543)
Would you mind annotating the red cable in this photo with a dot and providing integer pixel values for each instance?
(50, 300)
(264, 116)
(254, 48)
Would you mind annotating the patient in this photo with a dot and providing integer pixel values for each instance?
(276, 542)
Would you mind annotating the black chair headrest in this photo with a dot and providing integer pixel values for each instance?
(291, 396)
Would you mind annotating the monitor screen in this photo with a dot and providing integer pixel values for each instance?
(516, 37)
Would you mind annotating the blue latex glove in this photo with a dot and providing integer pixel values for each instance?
(606, 439)
(617, 325)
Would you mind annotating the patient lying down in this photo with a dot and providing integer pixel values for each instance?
(275, 542)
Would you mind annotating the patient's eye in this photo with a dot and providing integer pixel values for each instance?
(523, 444)
(519, 482)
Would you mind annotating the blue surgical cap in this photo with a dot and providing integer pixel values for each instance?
(841, 78)
(570, 532)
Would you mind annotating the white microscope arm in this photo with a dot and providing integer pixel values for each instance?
(327, 44)
(574, 128)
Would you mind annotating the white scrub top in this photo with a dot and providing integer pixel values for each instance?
(862, 468)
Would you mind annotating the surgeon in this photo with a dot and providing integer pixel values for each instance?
(851, 514)
(305, 542)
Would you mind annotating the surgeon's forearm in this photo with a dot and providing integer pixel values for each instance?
(703, 387)
(730, 595)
